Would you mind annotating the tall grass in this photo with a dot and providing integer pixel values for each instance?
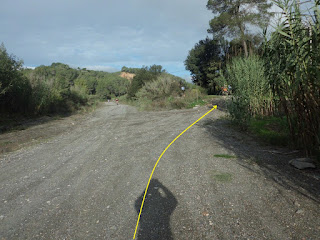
(251, 94)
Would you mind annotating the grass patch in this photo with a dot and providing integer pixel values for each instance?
(273, 130)
(199, 102)
(222, 177)
(224, 156)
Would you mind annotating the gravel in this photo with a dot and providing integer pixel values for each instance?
(85, 181)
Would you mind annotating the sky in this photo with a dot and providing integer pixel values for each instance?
(104, 34)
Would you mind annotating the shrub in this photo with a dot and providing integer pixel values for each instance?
(161, 88)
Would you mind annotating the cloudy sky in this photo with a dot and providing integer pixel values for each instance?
(104, 34)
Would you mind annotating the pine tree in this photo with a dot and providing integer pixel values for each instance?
(233, 18)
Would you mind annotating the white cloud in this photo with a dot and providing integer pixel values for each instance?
(28, 67)
(103, 33)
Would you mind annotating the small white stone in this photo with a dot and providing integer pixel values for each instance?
(299, 211)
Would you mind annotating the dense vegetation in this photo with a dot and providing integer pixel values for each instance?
(59, 88)
(274, 78)
(153, 88)
(144, 75)
(52, 89)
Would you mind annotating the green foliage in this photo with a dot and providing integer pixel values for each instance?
(273, 130)
(144, 75)
(195, 96)
(293, 58)
(161, 93)
(111, 86)
(61, 88)
(52, 89)
(161, 88)
(251, 94)
(15, 89)
(129, 70)
(165, 93)
(204, 62)
(239, 111)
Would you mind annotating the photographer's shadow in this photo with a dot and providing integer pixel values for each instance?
(155, 217)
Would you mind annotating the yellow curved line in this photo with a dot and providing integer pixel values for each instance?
(145, 192)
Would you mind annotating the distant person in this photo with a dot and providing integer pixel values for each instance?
(117, 101)
(183, 91)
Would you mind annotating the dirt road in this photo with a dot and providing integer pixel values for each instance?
(87, 182)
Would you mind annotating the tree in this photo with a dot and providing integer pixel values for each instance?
(234, 17)
(204, 62)
(15, 89)
(129, 70)
(156, 69)
(124, 69)
(145, 74)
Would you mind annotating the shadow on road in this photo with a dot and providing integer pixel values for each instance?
(274, 166)
(157, 209)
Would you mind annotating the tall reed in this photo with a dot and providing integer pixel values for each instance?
(292, 57)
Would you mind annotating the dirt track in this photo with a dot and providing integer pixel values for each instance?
(86, 181)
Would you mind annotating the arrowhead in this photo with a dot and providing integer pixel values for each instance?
(215, 107)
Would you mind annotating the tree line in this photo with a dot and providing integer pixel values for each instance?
(59, 88)
(270, 74)
(54, 88)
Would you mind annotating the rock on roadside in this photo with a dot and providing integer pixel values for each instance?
(302, 163)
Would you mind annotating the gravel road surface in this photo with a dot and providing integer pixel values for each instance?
(87, 182)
